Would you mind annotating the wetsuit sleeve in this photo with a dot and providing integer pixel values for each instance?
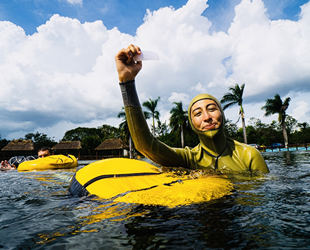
(251, 157)
(258, 163)
(144, 141)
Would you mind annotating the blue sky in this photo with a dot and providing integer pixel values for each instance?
(127, 15)
(57, 59)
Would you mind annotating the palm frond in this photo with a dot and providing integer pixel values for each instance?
(235, 96)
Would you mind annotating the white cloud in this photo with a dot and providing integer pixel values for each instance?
(179, 97)
(80, 2)
(64, 75)
(199, 88)
(65, 70)
(269, 53)
(301, 110)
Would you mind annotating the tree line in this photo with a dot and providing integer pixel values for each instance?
(177, 133)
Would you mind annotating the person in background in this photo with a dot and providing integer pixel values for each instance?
(215, 152)
(44, 152)
(13, 163)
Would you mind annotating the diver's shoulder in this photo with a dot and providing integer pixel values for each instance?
(240, 145)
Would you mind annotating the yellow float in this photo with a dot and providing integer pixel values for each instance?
(143, 183)
(49, 162)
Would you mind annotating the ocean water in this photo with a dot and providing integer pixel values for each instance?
(270, 212)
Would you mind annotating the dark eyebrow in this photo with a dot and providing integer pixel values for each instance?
(211, 104)
(196, 109)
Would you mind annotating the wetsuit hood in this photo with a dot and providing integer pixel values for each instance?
(213, 141)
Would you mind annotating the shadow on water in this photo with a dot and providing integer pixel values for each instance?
(269, 212)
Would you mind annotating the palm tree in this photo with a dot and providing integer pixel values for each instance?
(151, 106)
(235, 97)
(123, 126)
(178, 120)
(162, 128)
(303, 126)
(276, 106)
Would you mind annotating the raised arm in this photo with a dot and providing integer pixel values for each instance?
(144, 142)
(126, 67)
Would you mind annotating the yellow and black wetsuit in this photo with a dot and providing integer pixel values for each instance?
(214, 151)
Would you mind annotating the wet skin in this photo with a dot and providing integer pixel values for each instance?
(42, 154)
(206, 115)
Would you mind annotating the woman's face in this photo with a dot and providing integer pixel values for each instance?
(206, 115)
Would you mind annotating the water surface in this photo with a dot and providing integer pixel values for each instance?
(270, 212)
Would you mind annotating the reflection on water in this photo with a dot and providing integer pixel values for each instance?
(269, 212)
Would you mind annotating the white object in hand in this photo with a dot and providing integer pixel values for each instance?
(146, 55)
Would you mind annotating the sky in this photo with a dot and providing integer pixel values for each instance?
(57, 58)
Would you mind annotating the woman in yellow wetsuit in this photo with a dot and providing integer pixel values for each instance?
(214, 152)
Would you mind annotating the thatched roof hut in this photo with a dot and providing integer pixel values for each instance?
(68, 147)
(112, 145)
(19, 147)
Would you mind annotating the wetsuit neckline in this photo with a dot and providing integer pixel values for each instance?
(216, 157)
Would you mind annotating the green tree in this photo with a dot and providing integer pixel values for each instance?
(90, 138)
(79, 133)
(3, 142)
(235, 97)
(230, 128)
(252, 135)
(89, 143)
(277, 106)
(123, 126)
(178, 120)
(265, 133)
(291, 124)
(124, 130)
(109, 131)
(40, 140)
(151, 106)
(302, 134)
(303, 126)
(162, 128)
